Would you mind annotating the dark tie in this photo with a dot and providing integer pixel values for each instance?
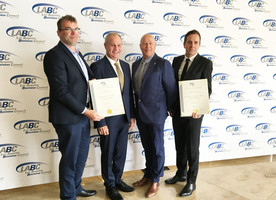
(185, 68)
(120, 76)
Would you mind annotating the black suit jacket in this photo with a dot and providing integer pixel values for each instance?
(200, 68)
(103, 69)
(68, 86)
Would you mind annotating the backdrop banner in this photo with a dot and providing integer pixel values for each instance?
(238, 36)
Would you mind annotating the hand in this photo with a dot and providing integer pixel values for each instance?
(132, 122)
(103, 130)
(195, 115)
(93, 115)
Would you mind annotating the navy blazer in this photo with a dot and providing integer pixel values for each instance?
(200, 68)
(103, 69)
(68, 86)
(158, 90)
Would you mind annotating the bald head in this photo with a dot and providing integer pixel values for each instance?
(147, 45)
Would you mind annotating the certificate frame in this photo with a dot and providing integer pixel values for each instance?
(106, 96)
(194, 97)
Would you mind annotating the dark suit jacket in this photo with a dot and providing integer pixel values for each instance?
(68, 86)
(158, 90)
(103, 69)
(200, 68)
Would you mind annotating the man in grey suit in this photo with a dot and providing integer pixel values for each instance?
(187, 129)
(155, 92)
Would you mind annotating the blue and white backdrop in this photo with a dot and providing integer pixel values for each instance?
(238, 36)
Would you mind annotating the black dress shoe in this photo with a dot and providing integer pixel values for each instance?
(175, 179)
(187, 190)
(87, 193)
(113, 193)
(124, 187)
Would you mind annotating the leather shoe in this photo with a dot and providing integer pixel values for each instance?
(87, 193)
(124, 187)
(175, 179)
(141, 182)
(113, 193)
(187, 190)
(153, 189)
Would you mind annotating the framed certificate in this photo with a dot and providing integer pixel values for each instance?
(107, 97)
(194, 97)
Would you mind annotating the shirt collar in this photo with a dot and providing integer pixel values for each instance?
(77, 48)
(191, 58)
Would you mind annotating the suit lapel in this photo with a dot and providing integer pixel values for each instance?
(67, 51)
(109, 67)
(194, 63)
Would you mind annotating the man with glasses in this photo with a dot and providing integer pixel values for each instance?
(68, 76)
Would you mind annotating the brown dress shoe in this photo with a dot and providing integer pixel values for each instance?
(142, 182)
(153, 189)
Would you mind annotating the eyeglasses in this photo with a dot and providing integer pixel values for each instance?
(70, 29)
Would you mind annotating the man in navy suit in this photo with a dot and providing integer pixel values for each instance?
(114, 130)
(155, 92)
(68, 76)
(190, 66)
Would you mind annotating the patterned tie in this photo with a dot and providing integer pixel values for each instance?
(185, 68)
(120, 76)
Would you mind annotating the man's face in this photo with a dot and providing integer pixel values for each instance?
(69, 37)
(147, 46)
(192, 45)
(113, 47)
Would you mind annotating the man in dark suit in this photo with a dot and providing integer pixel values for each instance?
(155, 91)
(68, 76)
(114, 130)
(187, 129)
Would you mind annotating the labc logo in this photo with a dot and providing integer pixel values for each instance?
(270, 24)
(30, 126)
(91, 57)
(9, 150)
(263, 127)
(48, 11)
(195, 3)
(44, 102)
(252, 78)
(224, 41)
(134, 136)
(242, 23)
(255, 42)
(175, 19)
(266, 94)
(170, 56)
(221, 78)
(219, 113)
(23, 34)
(137, 17)
(9, 106)
(182, 38)
(206, 131)
(247, 144)
(51, 145)
(40, 56)
(95, 140)
(7, 59)
(26, 81)
(269, 60)
(31, 168)
(132, 57)
(122, 35)
(272, 142)
(159, 39)
(250, 112)
(5, 10)
(95, 14)
(236, 95)
(227, 4)
(257, 5)
(273, 110)
(234, 129)
(218, 147)
(210, 21)
(169, 134)
(239, 60)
